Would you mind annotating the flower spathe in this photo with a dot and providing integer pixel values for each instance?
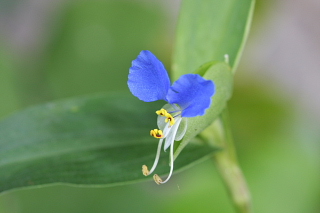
(189, 96)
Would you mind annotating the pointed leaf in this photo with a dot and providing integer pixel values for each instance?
(209, 29)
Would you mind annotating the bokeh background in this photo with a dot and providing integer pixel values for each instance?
(52, 49)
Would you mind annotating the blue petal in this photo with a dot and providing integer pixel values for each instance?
(192, 93)
(148, 79)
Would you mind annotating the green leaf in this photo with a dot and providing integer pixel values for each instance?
(103, 139)
(220, 74)
(209, 29)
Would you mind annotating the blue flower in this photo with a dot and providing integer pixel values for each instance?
(189, 96)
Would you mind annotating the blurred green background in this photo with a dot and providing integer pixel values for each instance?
(58, 49)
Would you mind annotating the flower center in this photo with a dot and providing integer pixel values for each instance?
(168, 123)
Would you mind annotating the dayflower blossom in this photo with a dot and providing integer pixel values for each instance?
(189, 96)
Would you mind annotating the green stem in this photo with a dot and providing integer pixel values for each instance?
(219, 134)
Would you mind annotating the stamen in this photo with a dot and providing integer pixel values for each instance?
(162, 112)
(145, 170)
(156, 177)
(157, 133)
(168, 133)
(171, 136)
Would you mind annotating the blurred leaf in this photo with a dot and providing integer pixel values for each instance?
(102, 139)
(209, 29)
(220, 74)
(9, 99)
(85, 44)
(92, 45)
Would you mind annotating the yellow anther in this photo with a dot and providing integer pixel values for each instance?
(171, 119)
(157, 133)
(162, 112)
(157, 179)
(145, 170)
(168, 116)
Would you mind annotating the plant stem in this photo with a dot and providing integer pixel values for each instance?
(219, 134)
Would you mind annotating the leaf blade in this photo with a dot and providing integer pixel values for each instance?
(98, 140)
(209, 29)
